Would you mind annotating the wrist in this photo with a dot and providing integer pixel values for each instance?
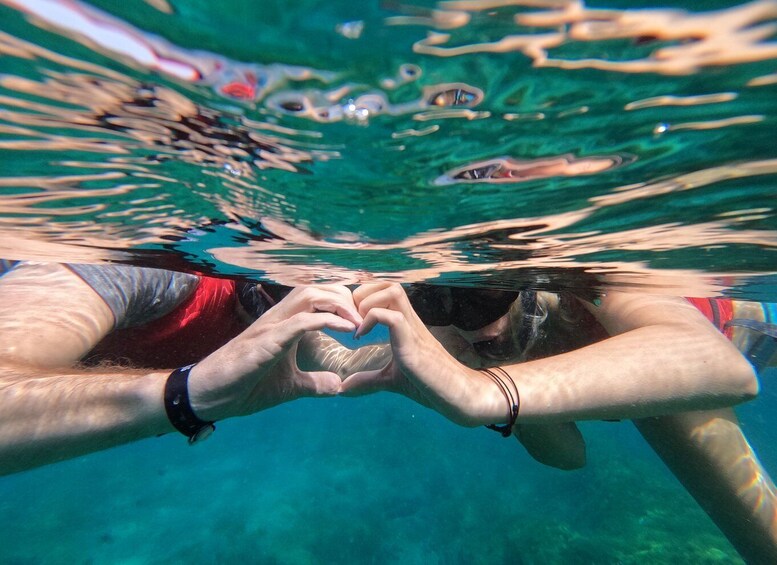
(179, 410)
(502, 379)
(496, 404)
(207, 403)
(484, 402)
(151, 394)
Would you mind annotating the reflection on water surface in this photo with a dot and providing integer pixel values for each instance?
(549, 144)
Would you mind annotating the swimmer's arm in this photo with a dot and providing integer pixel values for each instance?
(49, 416)
(663, 357)
(49, 317)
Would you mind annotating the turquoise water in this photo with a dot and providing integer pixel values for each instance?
(370, 481)
(332, 142)
(339, 142)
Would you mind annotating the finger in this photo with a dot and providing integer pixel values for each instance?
(292, 329)
(318, 383)
(343, 309)
(335, 289)
(339, 289)
(329, 298)
(392, 297)
(365, 290)
(395, 321)
(364, 382)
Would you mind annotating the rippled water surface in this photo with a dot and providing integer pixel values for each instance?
(545, 143)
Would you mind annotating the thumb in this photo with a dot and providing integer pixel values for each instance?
(364, 382)
(318, 383)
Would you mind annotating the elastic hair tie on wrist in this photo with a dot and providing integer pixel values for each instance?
(513, 404)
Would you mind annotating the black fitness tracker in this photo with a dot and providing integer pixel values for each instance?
(179, 410)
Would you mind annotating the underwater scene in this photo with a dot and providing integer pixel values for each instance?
(504, 151)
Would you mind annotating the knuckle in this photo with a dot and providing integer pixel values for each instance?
(296, 321)
(395, 290)
(307, 292)
(340, 289)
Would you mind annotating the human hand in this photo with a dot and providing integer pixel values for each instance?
(258, 369)
(458, 347)
(421, 368)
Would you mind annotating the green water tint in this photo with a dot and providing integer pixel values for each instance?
(128, 174)
(389, 483)
(128, 162)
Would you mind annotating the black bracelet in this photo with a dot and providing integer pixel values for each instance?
(179, 409)
(513, 404)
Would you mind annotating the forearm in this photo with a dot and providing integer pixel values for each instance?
(52, 417)
(648, 371)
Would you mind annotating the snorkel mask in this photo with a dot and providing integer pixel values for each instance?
(471, 309)
(466, 308)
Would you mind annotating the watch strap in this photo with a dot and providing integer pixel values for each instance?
(179, 409)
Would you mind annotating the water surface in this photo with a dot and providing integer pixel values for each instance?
(543, 143)
(550, 144)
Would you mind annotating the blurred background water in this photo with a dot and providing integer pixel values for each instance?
(548, 144)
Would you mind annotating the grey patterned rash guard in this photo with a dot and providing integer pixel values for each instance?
(137, 295)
